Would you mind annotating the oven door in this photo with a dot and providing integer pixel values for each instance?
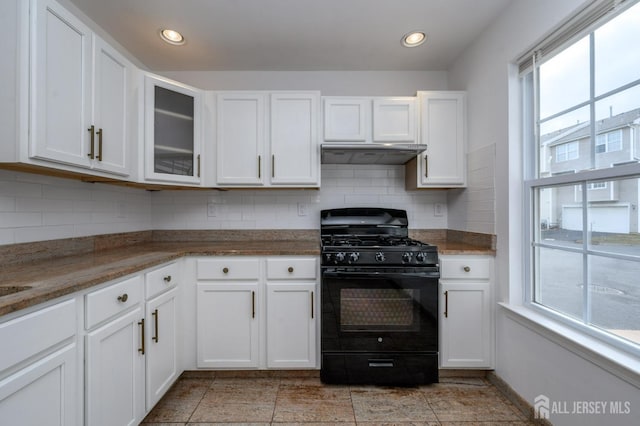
(379, 311)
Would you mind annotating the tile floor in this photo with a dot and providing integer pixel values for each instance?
(224, 398)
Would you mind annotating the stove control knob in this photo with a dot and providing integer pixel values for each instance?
(406, 257)
(328, 257)
(339, 257)
(380, 256)
(420, 257)
(353, 257)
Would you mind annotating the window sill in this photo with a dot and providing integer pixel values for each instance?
(623, 365)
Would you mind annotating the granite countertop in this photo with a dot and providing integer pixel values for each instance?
(50, 278)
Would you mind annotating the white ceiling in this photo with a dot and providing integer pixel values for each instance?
(294, 34)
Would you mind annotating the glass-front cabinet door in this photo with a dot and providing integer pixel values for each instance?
(172, 131)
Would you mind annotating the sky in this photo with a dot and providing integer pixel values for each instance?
(564, 79)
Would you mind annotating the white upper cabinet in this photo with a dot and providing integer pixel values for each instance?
(111, 109)
(294, 139)
(394, 120)
(345, 119)
(267, 139)
(60, 85)
(370, 119)
(443, 130)
(79, 94)
(172, 131)
(240, 121)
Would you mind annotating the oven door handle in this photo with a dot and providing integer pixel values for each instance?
(396, 275)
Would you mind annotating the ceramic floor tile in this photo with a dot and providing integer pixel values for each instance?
(308, 400)
(243, 390)
(179, 402)
(463, 402)
(391, 405)
(210, 411)
(313, 411)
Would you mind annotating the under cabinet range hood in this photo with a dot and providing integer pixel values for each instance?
(370, 153)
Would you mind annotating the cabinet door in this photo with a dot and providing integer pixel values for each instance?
(115, 372)
(465, 324)
(394, 120)
(43, 393)
(294, 139)
(228, 325)
(60, 85)
(345, 119)
(161, 345)
(443, 131)
(291, 325)
(240, 134)
(111, 109)
(172, 131)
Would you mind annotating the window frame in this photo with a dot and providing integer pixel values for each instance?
(533, 169)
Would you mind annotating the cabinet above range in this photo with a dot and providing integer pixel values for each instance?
(267, 139)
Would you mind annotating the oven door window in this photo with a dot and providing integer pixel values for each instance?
(379, 309)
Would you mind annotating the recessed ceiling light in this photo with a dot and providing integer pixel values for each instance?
(413, 39)
(172, 37)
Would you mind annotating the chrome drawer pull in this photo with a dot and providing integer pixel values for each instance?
(466, 269)
(123, 298)
(168, 278)
(225, 270)
(290, 269)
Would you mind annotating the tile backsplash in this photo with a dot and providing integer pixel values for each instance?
(37, 208)
(342, 186)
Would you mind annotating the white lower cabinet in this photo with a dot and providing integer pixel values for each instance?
(38, 363)
(131, 346)
(161, 345)
(291, 325)
(115, 371)
(256, 312)
(466, 339)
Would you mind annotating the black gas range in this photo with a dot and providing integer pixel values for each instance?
(379, 300)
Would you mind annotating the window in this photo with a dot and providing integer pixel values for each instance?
(609, 142)
(582, 100)
(566, 152)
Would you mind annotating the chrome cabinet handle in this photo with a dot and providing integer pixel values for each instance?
(167, 278)
(311, 305)
(225, 270)
(466, 269)
(123, 298)
(198, 165)
(446, 304)
(290, 269)
(273, 165)
(154, 314)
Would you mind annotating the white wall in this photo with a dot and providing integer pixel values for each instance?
(342, 186)
(38, 208)
(531, 363)
(330, 83)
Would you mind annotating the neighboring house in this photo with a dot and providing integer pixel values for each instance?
(613, 205)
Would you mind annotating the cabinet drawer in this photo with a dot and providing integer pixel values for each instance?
(228, 269)
(30, 334)
(109, 301)
(465, 267)
(161, 279)
(291, 268)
